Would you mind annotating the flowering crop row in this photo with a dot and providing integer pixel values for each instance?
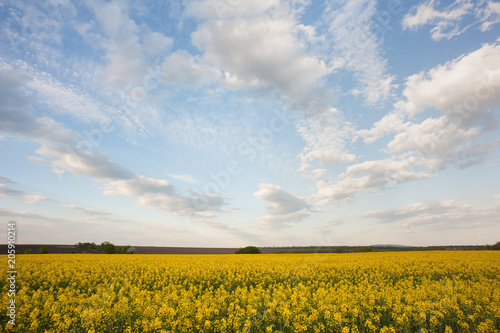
(363, 292)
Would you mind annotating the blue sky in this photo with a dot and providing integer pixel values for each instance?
(228, 123)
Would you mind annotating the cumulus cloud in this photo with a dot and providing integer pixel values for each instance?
(466, 84)
(182, 68)
(126, 61)
(391, 123)
(444, 214)
(283, 209)
(448, 22)
(366, 177)
(265, 51)
(155, 43)
(128, 45)
(465, 92)
(209, 10)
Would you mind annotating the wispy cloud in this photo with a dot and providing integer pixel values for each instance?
(359, 47)
(30, 198)
(327, 136)
(38, 226)
(448, 22)
(62, 150)
(185, 178)
(90, 214)
(438, 215)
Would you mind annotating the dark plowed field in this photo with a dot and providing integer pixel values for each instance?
(21, 248)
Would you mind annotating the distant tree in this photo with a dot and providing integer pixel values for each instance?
(496, 246)
(249, 250)
(43, 250)
(107, 248)
(28, 251)
(365, 249)
(87, 245)
(131, 250)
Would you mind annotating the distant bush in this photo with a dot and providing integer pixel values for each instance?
(43, 250)
(131, 250)
(496, 246)
(28, 251)
(249, 250)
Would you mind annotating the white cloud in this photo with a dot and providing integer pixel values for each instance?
(155, 43)
(284, 207)
(356, 43)
(448, 22)
(58, 98)
(465, 91)
(326, 134)
(35, 30)
(61, 98)
(440, 141)
(30, 198)
(118, 231)
(281, 202)
(265, 52)
(327, 228)
(390, 123)
(91, 214)
(185, 178)
(276, 222)
(489, 15)
(444, 214)
(210, 10)
(127, 44)
(196, 205)
(65, 150)
(366, 177)
(126, 64)
(181, 67)
(468, 84)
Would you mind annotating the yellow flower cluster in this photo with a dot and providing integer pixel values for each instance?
(363, 292)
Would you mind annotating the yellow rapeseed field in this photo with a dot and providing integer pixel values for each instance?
(363, 292)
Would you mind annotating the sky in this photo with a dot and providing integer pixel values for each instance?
(227, 123)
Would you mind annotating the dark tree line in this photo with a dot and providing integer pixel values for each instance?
(106, 247)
